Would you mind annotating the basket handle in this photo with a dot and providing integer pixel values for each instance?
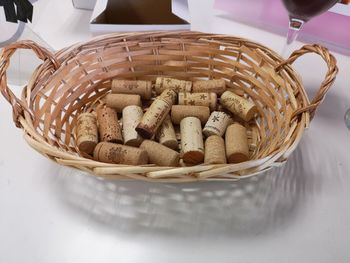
(18, 105)
(326, 84)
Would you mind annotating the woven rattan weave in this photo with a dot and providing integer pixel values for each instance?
(73, 79)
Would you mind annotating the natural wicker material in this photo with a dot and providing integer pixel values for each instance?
(73, 79)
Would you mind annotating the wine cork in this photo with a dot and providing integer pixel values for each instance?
(155, 115)
(166, 134)
(192, 147)
(87, 132)
(217, 86)
(198, 99)
(120, 154)
(243, 108)
(237, 149)
(120, 101)
(159, 154)
(215, 150)
(139, 87)
(217, 124)
(169, 95)
(163, 83)
(178, 112)
(132, 116)
(110, 130)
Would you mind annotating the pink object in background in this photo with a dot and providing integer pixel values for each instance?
(329, 29)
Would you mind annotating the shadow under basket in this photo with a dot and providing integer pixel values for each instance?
(73, 79)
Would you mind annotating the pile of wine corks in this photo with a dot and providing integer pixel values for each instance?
(168, 123)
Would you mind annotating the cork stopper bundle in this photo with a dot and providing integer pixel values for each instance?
(169, 122)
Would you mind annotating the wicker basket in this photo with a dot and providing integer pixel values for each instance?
(73, 79)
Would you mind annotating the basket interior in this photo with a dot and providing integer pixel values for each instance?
(58, 96)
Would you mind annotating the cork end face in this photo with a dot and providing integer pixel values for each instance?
(144, 132)
(237, 126)
(143, 158)
(98, 153)
(251, 113)
(87, 147)
(171, 144)
(237, 158)
(225, 94)
(193, 157)
(97, 150)
(134, 142)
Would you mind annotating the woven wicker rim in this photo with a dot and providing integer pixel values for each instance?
(71, 80)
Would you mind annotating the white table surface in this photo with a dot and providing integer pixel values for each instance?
(299, 213)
